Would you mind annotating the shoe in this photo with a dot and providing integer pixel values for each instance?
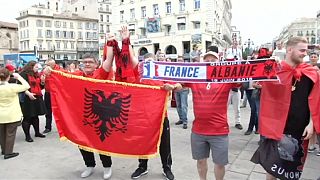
(243, 106)
(311, 149)
(40, 135)
(139, 172)
(107, 172)
(178, 123)
(11, 155)
(168, 174)
(318, 154)
(238, 126)
(87, 172)
(256, 132)
(185, 126)
(46, 131)
(2, 153)
(247, 132)
(29, 139)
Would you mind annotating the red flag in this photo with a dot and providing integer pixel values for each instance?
(112, 118)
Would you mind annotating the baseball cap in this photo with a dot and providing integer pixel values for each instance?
(211, 53)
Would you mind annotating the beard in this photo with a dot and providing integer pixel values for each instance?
(296, 59)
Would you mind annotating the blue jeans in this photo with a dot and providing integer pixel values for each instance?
(182, 104)
(253, 116)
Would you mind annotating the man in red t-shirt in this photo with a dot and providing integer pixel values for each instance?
(210, 126)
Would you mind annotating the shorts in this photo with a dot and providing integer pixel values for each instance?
(202, 144)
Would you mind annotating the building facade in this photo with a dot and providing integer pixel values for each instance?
(173, 26)
(62, 36)
(305, 27)
(104, 23)
(9, 41)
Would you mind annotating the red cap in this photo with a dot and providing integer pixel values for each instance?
(10, 67)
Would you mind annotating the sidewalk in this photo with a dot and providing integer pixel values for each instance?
(49, 158)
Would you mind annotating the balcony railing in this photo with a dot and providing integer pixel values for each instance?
(101, 9)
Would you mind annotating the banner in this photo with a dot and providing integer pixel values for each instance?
(216, 72)
(112, 118)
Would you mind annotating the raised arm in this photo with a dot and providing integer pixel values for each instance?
(108, 52)
(126, 46)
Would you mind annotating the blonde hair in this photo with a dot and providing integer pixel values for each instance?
(296, 40)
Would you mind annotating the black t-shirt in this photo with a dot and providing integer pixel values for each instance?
(299, 112)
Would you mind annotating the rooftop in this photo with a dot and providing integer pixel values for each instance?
(8, 25)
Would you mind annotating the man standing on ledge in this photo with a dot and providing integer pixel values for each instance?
(289, 107)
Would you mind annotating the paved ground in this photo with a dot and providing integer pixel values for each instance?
(51, 159)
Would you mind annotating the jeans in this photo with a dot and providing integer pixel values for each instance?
(182, 104)
(47, 101)
(253, 116)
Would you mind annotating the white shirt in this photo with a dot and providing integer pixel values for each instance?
(280, 54)
(234, 52)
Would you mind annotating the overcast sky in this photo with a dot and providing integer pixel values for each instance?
(260, 20)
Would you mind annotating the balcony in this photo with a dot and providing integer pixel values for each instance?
(104, 10)
(87, 49)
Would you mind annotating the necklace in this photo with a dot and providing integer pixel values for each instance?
(293, 87)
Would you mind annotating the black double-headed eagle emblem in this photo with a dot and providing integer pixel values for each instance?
(106, 114)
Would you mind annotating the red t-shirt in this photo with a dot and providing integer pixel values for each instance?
(210, 108)
(99, 73)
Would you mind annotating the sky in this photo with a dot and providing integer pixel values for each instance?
(263, 20)
(259, 20)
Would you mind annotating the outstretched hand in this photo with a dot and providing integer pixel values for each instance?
(125, 32)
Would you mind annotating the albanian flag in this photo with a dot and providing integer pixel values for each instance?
(108, 117)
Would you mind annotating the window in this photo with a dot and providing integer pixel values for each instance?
(181, 21)
(39, 23)
(48, 5)
(101, 17)
(39, 33)
(107, 8)
(155, 9)
(181, 26)
(94, 26)
(64, 24)
(107, 17)
(196, 25)
(83, 8)
(143, 12)
(71, 34)
(75, 9)
(40, 45)
(79, 25)
(57, 6)
(64, 34)
(132, 15)
(48, 34)
(167, 30)
(58, 46)
(168, 7)
(121, 16)
(79, 35)
(57, 35)
(196, 4)
(307, 33)
(71, 25)
(57, 24)
(108, 28)
(87, 25)
(48, 23)
(95, 35)
(121, 1)
(49, 45)
(65, 45)
(58, 55)
(88, 35)
(39, 12)
(101, 28)
(182, 5)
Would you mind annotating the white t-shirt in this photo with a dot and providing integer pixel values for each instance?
(280, 54)
(234, 52)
